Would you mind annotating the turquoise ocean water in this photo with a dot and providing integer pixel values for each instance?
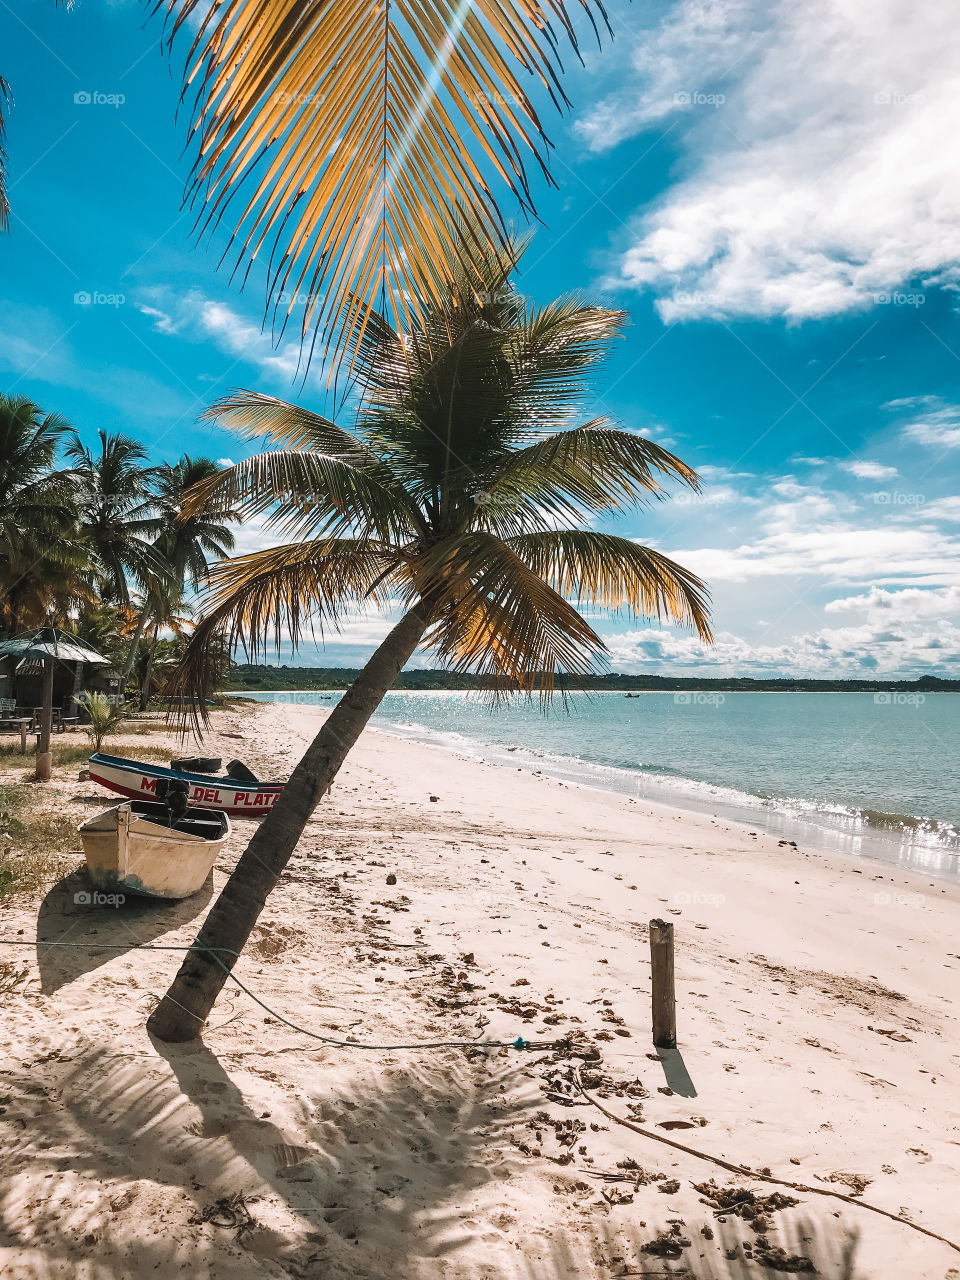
(874, 775)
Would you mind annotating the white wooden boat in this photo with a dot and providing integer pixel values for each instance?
(131, 848)
(137, 778)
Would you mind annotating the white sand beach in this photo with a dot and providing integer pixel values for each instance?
(817, 1024)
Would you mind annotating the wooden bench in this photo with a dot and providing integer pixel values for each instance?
(10, 724)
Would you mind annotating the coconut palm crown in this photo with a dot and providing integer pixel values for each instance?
(116, 497)
(464, 488)
(43, 564)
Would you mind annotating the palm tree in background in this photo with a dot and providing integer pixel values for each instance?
(192, 529)
(462, 495)
(182, 543)
(115, 493)
(170, 622)
(43, 562)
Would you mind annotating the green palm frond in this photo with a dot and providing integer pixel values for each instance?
(185, 541)
(615, 573)
(255, 599)
(447, 495)
(116, 498)
(308, 495)
(590, 469)
(363, 149)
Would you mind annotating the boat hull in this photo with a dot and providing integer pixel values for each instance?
(138, 781)
(129, 849)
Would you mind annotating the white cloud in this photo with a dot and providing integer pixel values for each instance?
(868, 650)
(693, 47)
(900, 606)
(39, 350)
(817, 534)
(931, 421)
(712, 495)
(200, 319)
(869, 470)
(824, 182)
(943, 509)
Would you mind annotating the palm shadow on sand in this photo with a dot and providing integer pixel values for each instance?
(373, 1180)
(92, 934)
(395, 1173)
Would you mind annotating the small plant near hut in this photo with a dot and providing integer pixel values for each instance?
(105, 716)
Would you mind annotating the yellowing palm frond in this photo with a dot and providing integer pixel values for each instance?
(615, 573)
(359, 145)
(497, 615)
(251, 415)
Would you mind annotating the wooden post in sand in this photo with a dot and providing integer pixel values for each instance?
(664, 995)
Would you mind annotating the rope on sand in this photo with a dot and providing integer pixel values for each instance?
(745, 1171)
(518, 1044)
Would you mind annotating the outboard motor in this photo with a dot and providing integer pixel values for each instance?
(173, 793)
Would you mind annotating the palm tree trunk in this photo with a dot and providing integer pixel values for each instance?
(183, 1011)
(46, 722)
(135, 643)
(147, 680)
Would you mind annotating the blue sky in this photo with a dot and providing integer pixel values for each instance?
(770, 190)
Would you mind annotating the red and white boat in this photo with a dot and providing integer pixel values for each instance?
(138, 780)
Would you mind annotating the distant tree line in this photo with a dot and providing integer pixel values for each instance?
(245, 676)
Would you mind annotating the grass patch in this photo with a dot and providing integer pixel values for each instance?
(143, 726)
(77, 752)
(37, 845)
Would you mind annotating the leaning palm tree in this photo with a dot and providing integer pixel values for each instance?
(462, 494)
(182, 542)
(361, 150)
(115, 491)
